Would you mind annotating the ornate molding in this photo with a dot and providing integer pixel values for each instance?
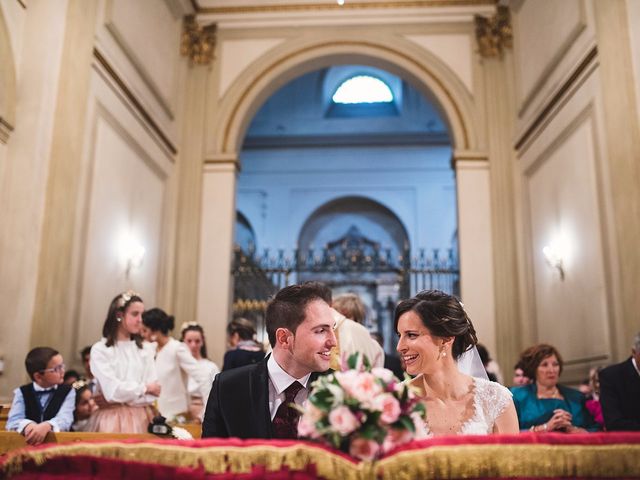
(348, 5)
(197, 42)
(494, 34)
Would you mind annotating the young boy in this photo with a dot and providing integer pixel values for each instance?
(45, 405)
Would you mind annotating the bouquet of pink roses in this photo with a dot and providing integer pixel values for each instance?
(363, 411)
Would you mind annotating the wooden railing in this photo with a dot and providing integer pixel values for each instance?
(11, 440)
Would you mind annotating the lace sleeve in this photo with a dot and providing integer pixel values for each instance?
(494, 398)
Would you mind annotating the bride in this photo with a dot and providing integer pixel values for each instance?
(434, 331)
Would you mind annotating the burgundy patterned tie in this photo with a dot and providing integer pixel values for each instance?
(285, 423)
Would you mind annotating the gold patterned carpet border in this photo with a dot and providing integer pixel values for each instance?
(442, 462)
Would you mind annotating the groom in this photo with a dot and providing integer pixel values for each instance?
(253, 401)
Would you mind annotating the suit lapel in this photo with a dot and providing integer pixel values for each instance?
(632, 379)
(259, 395)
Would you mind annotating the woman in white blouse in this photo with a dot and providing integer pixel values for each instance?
(127, 384)
(175, 365)
(192, 335)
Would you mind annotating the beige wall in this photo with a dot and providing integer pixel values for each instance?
(24, 180)
(566, 172)
(93, 156)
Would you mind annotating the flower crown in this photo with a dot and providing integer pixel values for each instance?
(126, 297)
(186, 325)
(78, 384)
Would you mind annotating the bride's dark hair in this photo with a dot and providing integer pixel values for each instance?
(443, 315)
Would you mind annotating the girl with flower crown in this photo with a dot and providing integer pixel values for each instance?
(124, 370)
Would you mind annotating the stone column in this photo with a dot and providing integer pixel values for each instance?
(189, 171)
(216, 250)
(615, 29)
(475, 242)
(39, 188)
(55, 294)
(499, 117)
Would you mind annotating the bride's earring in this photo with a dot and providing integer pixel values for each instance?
(442, 353)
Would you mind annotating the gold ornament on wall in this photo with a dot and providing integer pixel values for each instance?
(494, 34)
(197, 42)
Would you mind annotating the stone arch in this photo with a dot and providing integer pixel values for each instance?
(298, 56)
(371, 210)
(7, 81)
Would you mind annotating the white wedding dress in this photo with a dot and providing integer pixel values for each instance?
(489, 401)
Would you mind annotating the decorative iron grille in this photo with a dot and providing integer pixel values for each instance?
(340, 265)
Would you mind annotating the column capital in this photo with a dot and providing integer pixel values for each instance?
(215, 161)
(469, 159)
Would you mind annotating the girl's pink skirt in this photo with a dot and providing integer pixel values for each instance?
(118, 418)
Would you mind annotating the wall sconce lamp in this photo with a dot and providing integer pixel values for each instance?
(132, 254)
(553, 256)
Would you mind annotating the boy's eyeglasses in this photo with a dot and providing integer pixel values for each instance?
(56, 369)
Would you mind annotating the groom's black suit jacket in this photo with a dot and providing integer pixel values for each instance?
(238, 404)
(620, 396)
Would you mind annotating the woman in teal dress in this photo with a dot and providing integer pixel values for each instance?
(545, 406)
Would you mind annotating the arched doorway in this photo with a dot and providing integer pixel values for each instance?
(230, 117)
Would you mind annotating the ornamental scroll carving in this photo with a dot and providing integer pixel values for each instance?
(494, 34)
(197, 42)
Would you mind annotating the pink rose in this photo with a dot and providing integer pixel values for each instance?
(383, 374)
(307, 427)
(347, 379)
(362, 386)
(312, 412)
(363, 449)
(366, 388)
(389, 406)
(396, 437)
(343, 421)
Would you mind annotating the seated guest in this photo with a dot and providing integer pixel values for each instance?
(85, 406)
(391, 362)
(47, 404)
(88, 377)
(352, 335)
(254, 401)
(593, 401)
(519, 378)
(490, 365)
(192, 335)
(544, 405)
(70, 377)
(175, 366)
(620, 392)
(244, 350)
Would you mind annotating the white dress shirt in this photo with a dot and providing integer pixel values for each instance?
(61, 422)
(279, 380)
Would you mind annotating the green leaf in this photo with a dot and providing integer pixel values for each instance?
(406, 423)
(373, 432)
(352, 361)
